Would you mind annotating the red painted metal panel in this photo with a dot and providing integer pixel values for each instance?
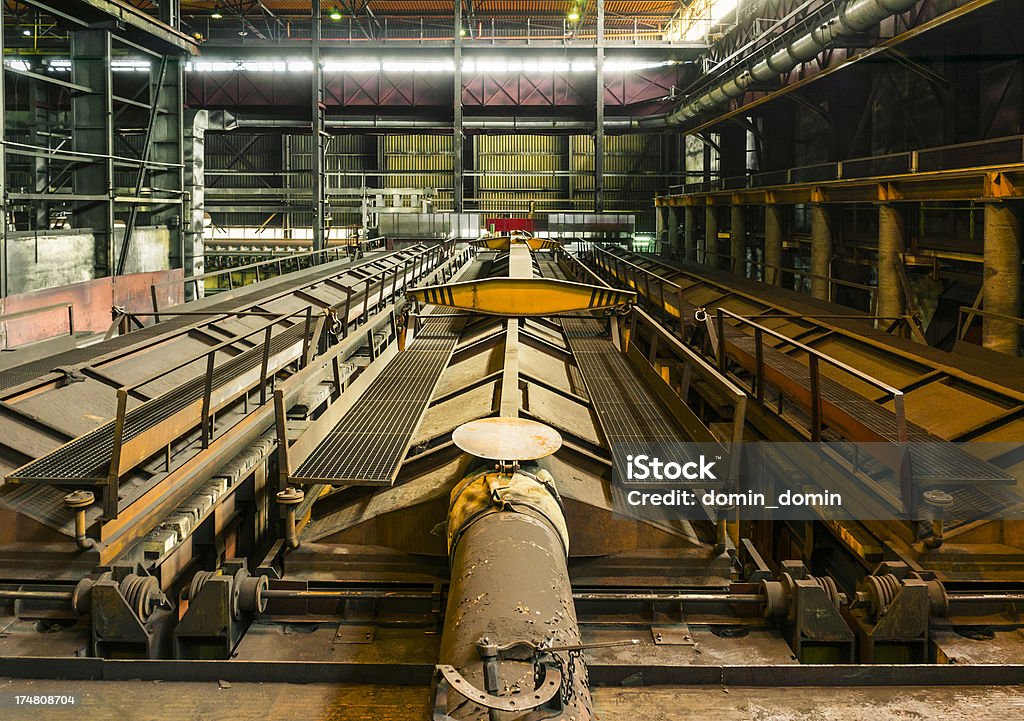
(507, 225)
(132, 292)
(92, 301)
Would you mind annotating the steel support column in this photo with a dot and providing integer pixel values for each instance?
(892, 236)
(318, 148)
(690, 233)
(168, 179)
(1002, 277)
(458, 164)
(711, 237)
(673, 229)
(821, 250)
(38, 117)
(599, 112)
(92, 132)
(738, 239)
(3, 169)
(194, 157)
(773, 225)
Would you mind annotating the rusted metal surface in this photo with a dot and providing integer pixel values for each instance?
(509, 590)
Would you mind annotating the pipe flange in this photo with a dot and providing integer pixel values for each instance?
(79, 499)
(548, 686)
(938, 499)
(290, 496)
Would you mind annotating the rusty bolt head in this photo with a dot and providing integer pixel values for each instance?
(79, 499)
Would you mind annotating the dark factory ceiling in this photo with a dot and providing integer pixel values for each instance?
(644, 9)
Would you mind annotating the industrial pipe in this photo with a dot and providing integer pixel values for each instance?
(289, 499)
(853, 17)
(484, 124)
(78, 502)
(509, 599)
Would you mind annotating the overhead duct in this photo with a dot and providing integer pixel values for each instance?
(853, 17)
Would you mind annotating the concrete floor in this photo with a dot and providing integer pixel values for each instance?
(153, 701)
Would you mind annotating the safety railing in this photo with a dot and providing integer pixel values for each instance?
(646, 331)
(67, 306)
(967, 315)
(815, 359)
(136, 434)
(962, 156)
(778, 270)
(299, 260)
(427, 31)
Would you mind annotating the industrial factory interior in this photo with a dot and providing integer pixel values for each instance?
(512, 360)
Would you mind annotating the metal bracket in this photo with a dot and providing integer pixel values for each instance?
(448, 677)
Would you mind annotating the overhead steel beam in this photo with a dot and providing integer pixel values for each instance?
(125, 17)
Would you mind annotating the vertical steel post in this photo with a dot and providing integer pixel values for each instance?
(599, 112)
(891, 242)
(92, 132)
(319, 134)
(738, 239)
(689, 233)
(773, 225)
(711, 236)
(457, 132)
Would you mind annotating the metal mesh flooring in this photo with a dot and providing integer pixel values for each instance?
(628, 411)
(369, 443)
(88, 457)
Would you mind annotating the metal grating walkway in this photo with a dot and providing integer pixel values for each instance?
(628, 411)
(369, 443)
(88, 457)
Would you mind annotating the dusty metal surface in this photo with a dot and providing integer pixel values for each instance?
(507, 439)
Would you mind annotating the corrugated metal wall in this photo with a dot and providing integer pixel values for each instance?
(421, 161)
(553, 172)
(525, 170)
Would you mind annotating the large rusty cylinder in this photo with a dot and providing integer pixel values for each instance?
(510, 585)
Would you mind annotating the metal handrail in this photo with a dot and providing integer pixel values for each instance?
(196, 279)
(972, 313)
(840, 168)
(815, 357)
(43, 309)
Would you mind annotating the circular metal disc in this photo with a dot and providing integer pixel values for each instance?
(507, 439)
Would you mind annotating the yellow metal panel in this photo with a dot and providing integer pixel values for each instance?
(518, 297)
(504, 242)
